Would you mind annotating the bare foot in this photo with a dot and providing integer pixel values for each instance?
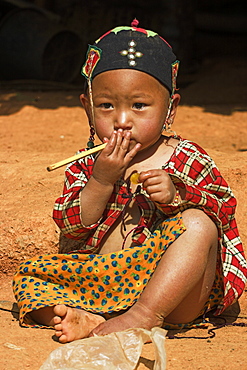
(138, 316)
(72, 324)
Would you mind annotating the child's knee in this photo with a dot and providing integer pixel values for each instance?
(197, 221)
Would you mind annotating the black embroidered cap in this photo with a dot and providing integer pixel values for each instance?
(133, 48)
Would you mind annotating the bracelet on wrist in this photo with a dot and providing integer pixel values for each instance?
(176, 198)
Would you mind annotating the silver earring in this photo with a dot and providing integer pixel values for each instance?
(167, 124)
(167, 127)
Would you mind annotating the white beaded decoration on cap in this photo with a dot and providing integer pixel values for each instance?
(131, 53)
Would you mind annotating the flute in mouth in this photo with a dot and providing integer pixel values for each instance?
(75, 157)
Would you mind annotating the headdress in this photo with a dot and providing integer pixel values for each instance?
(133, 48)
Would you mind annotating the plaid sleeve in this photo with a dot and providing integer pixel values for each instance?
(191, 168)
(66, 212)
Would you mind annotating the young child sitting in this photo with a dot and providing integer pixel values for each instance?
(159, 245)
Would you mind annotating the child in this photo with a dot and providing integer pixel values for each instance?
(159, 248)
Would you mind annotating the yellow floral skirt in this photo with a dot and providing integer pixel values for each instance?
(99, 283)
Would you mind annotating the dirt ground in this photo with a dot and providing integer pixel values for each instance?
(40, 127)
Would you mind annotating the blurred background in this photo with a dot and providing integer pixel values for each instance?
(47, 39)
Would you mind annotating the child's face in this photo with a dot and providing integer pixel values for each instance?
(129, 100)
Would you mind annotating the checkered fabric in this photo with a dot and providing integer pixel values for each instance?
(189, 167)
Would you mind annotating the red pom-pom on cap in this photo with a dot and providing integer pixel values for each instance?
(134, 23)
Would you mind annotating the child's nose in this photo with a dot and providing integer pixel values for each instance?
(122, 120)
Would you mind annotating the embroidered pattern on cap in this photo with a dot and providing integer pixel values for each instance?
(93, 56)
(131, 53)
(175, 66)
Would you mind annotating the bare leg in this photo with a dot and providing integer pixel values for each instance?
(69, 323)
(182, 282)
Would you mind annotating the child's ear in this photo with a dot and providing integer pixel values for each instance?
(175, 102)
(86, 104)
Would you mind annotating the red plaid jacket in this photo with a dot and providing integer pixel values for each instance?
(189, 167)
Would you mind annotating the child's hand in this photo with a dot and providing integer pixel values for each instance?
(114, 158)
(158, 185)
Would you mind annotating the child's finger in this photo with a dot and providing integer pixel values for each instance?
(126, 140)
(144, 175)
(122, 143)
(116, 142)
(131, 154)
(119, 138)
(111, 143)
(124, 147)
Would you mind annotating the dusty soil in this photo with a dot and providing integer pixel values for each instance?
(39, 128)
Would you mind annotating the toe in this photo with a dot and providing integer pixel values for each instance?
(63, 338)
(58, 327)
(58, 333)
(60, 310)
(57, 320)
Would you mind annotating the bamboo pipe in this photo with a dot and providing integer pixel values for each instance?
(75, 157)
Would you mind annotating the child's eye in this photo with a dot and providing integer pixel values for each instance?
(106, 105)
(139, 106)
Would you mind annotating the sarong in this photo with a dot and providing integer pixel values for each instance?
(99, 283)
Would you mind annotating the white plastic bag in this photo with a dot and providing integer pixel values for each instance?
(115, 351)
